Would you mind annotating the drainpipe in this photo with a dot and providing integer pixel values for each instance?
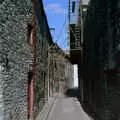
(48, 74)
(34, 55)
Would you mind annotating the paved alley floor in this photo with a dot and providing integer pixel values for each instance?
(67, 109)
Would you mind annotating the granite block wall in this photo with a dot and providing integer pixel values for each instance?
(101, 56)
(15, 58)
(58, 77)
(42, 43)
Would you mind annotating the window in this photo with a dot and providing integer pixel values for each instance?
(30, 34)
(30, 75)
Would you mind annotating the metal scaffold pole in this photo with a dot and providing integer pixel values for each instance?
(81, 14)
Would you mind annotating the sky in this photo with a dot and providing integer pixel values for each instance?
(57, 16)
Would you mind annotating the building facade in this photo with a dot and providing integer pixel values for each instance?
(16, 57)
(101, 55)
(57, 70)
(61, 72)
(98, 66)
(43, 41)
(25, 76)
(23, 59)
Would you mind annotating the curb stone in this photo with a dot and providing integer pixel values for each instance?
(43, 115)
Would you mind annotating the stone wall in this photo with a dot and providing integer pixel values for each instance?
(15, 57)
(1, 97)
(41, 69)
(101, 56)
(42, 42)
(58, 72)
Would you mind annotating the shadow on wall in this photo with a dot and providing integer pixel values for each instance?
(73, 92)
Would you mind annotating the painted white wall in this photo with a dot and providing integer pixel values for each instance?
(75, 76)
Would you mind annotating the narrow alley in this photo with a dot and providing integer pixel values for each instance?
(67, 109)
(64, 108)
(59, 59)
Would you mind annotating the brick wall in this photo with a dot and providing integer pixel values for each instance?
(15, 57)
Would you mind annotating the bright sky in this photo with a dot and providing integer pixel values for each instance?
(75, 76)
(57, 16)
(56, 11)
